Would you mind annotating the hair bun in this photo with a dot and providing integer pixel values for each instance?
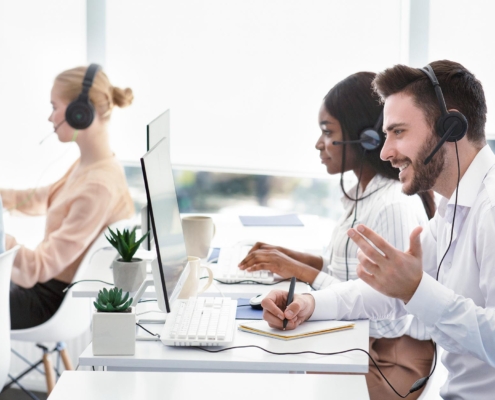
(122, 97)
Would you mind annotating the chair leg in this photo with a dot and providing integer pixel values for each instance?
(49, 372)
(66, 360)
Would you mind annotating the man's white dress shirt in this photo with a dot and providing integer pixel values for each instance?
(458, 310)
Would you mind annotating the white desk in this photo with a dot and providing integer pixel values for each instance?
(313, 236)
(154, 356)
(206, 386)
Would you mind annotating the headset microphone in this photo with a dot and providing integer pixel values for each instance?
(369, 142)
(444, 138)
(54, 131)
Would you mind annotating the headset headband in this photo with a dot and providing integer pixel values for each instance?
(428, 70)
(89, 77)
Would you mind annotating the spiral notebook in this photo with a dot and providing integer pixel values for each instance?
(311, 328)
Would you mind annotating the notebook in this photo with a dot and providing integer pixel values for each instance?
(311, 328)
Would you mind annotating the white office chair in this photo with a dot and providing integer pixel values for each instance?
(71, 320)
(432, 389)
(6, 261)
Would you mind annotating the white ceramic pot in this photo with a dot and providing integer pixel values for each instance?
(114, 334)
(128, 276)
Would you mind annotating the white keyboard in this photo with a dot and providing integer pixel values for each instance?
(200, 321)
(228, 271)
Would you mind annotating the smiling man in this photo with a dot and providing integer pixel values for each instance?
(446, 280)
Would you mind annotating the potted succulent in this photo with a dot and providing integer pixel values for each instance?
(128, 272)
(114, 324)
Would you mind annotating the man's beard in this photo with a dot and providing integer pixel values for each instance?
(425, 176)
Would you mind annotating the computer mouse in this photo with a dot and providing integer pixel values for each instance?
(255, 302)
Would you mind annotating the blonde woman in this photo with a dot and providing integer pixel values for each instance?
(90, 196)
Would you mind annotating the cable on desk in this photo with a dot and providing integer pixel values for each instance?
(86, 280)
(416, 386)
(151, 333)
(149, 312)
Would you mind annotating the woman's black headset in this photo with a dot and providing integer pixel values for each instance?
(80, 113)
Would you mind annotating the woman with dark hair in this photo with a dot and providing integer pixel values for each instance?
(349, 112)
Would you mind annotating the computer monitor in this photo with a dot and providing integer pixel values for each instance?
(156, 130)
(169, 267)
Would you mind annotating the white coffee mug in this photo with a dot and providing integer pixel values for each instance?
(191, 285)
(198, 233)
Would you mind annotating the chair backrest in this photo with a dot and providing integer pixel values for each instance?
(73, 317)
(6, 261)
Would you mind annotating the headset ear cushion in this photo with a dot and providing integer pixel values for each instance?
(79, 114)
(446, 121)
(370, 139)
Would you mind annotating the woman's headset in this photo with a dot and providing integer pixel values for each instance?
(80, 113)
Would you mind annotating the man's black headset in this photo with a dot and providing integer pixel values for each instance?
(451, 126)
(80, 113)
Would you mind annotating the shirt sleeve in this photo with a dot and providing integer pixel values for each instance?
(455, 322)
(324, 280)
(355, 300)
(29, 201)
(84, 221)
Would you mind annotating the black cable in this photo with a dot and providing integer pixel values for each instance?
(147, 300)
(416, 386)
(455, 208)
(355, 214)
(86, 280)
(144, 329)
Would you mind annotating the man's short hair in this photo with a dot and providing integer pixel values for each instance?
(461, 90)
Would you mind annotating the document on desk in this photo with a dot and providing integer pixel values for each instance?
(311, 328)
(271, 220)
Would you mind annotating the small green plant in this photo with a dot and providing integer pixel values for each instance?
(125, 242)
(112, 301)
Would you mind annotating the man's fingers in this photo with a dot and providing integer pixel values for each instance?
(415, 242)
(370, 267)
(375, 252)
(365, 276)
(273, 302)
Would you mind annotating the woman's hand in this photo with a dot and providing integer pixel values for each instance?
(272, 259)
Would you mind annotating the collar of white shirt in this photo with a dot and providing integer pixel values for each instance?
(469, 186)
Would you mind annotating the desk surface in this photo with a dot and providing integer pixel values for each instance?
(313, 237)
(154, 356)
(206, 386)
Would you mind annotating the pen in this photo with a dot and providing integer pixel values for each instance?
(290, 297)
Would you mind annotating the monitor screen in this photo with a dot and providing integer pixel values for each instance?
(165, 219)
(158, 129)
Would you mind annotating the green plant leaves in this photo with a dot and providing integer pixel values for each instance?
(112, 301)
(125, 242)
